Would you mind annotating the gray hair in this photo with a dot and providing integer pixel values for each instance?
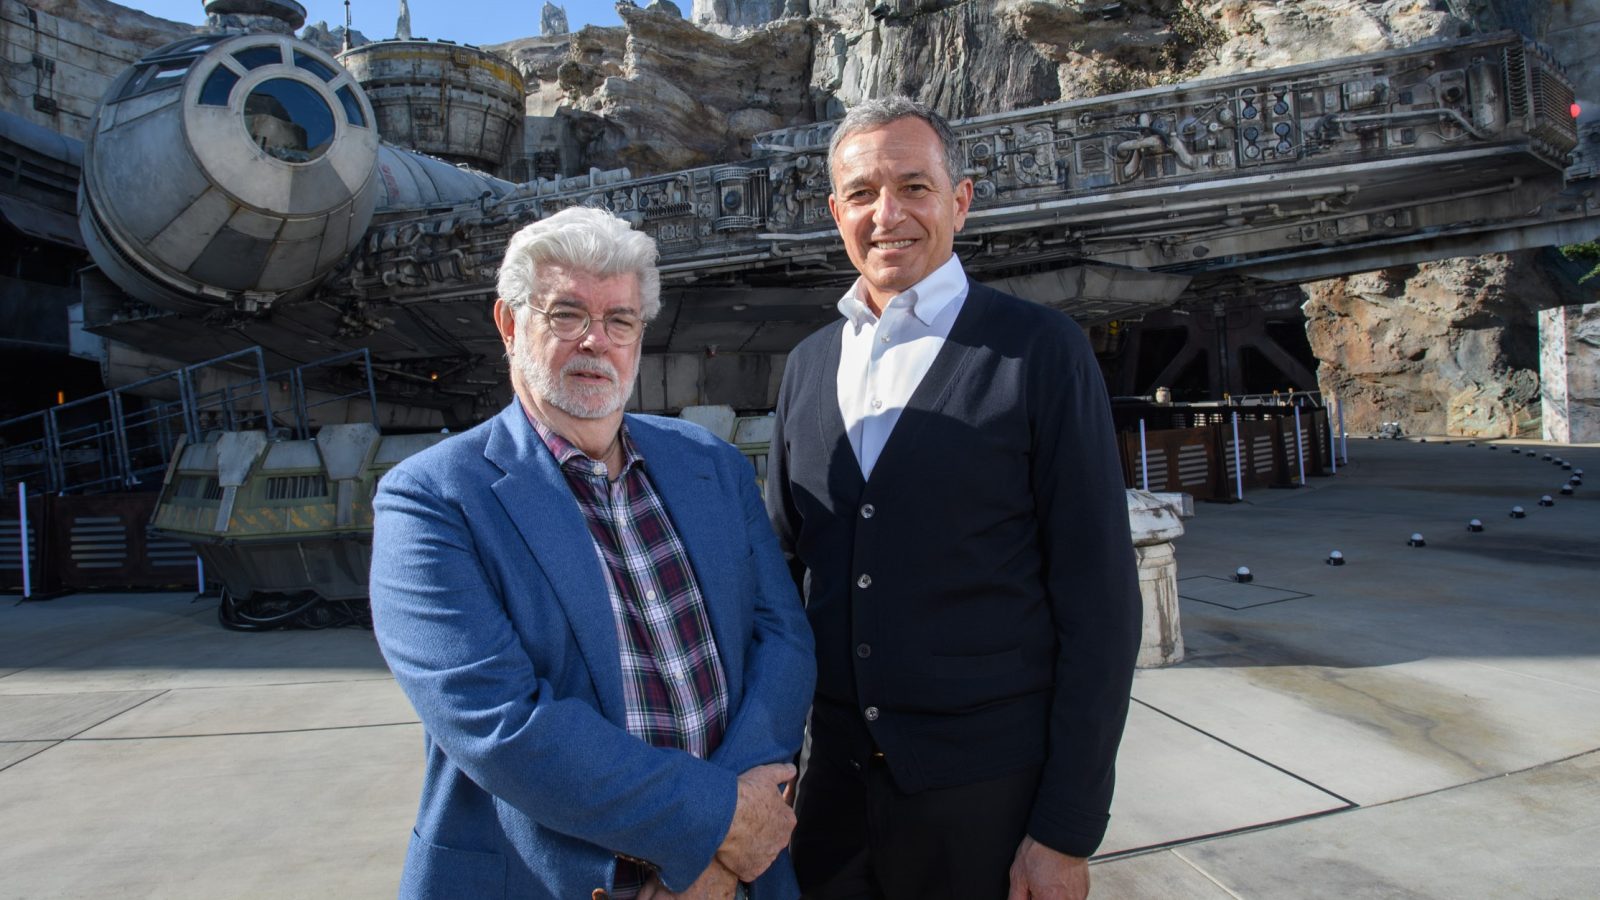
(584, 240)
(883, 111)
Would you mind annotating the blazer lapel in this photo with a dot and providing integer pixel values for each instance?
(538, 501)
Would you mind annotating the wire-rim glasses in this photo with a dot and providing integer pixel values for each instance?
(571, 324)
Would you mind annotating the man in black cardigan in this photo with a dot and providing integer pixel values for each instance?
(943, 474)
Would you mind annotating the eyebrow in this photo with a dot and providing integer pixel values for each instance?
(860, 181)
(571, 303)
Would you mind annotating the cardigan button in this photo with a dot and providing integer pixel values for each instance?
(871, 713)
(867, 511)
(863, 650)
(865, 581)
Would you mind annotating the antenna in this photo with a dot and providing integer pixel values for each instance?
(346, 48)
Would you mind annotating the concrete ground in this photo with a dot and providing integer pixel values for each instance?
(1419, 723)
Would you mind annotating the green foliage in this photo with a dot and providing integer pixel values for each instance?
(1589, 253)
(1196, 34)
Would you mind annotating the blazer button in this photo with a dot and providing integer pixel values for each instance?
(867, 511)
(865, 581)
(863, 650)
(871, 713)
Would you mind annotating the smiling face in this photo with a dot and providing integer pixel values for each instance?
(588, 378)
(895, 206)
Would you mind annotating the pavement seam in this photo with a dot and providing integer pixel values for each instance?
(1452, 787)
(1208, 876)
(119, 712)
(1350, 804)
(30, 755)
(174, 737)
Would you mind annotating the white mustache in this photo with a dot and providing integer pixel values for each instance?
(590, 365)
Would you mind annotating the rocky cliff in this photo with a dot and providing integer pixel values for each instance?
(1450, 347)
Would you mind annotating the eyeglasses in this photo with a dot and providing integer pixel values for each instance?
(569, 324)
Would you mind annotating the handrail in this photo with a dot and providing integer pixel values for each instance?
(104, 443)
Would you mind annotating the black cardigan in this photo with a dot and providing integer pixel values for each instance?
(979, 592)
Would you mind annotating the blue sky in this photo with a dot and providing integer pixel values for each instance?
(466, 21)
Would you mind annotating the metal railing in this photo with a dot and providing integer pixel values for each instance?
(123, 438)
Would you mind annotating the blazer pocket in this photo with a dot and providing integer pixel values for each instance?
(446, 873)
(985, 665)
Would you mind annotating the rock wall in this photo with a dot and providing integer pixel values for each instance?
(1450, 347)
(1569, 371)
(669, 95)
(83, 46)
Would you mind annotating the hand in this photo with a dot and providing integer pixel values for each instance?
(762, 822)
(717, 882)
(1040, 873)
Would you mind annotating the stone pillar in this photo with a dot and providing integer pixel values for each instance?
(1155, 525)
(1569, 373)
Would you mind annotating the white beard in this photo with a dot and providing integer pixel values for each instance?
(577, 399)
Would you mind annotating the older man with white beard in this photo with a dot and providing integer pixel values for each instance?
(591, 616)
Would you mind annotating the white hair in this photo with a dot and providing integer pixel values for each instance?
(584, 240)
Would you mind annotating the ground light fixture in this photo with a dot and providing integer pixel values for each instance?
(1475, 525)
(1416, 540)
(1566, 489)
(1517, 513)
(1242, 575)
(1546, 501)
(1335, 558)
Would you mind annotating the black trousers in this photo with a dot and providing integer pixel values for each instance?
(859, 837)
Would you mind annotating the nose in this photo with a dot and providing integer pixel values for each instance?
(887, 212)
(595, 340)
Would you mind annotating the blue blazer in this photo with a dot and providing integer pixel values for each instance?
(490, 605)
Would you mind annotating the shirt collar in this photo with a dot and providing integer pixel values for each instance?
(570, 458)
(928, 297)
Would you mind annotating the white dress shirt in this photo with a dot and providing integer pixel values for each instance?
(882, 359)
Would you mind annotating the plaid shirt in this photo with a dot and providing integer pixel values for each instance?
(673, 687)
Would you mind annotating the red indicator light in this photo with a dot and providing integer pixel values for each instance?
(1576, 110)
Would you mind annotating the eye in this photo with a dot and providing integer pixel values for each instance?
(917, 189)
(565, 317)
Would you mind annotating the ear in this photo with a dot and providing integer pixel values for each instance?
(833, 207)
(505, 321)
(963, 199)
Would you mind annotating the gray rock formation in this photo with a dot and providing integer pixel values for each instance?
(742, 13)
(1450, 347)
(331, 40)
(665, 7)
(553, 20)
(670, 95)
(115, 21)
